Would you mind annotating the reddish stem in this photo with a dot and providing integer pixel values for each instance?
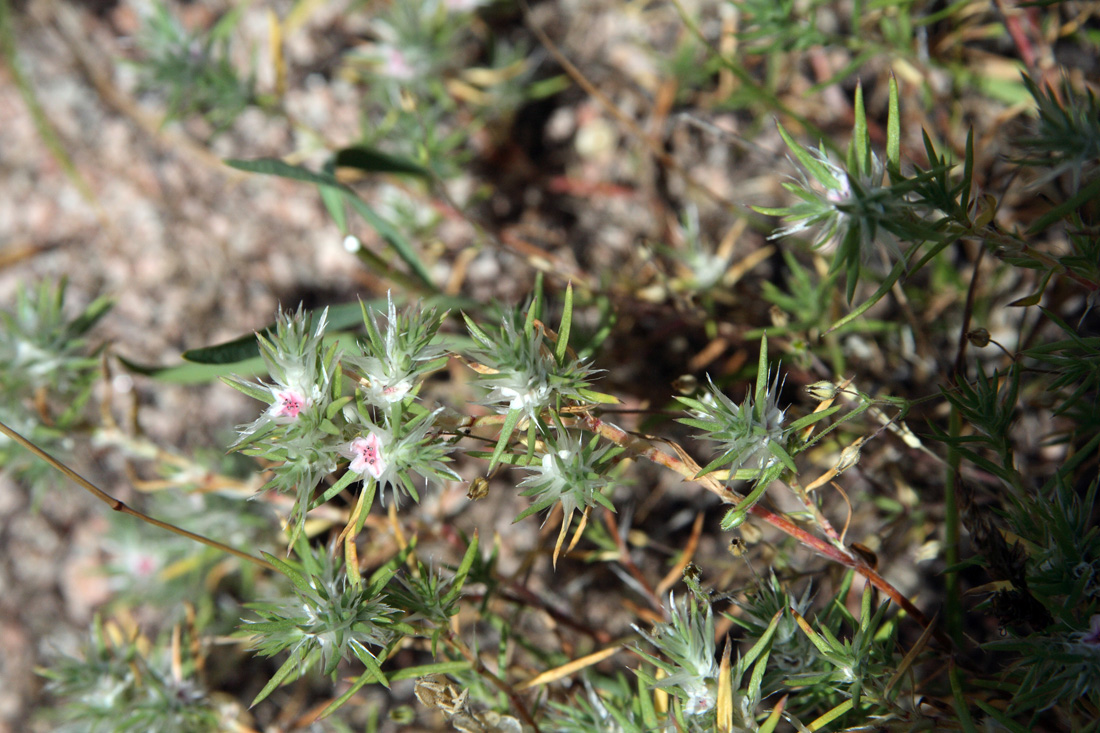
(645, 449)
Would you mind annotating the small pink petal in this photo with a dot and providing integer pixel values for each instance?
(397, 65)
(1092, 636)
(145, 565)
(288, 403)
(367, 456)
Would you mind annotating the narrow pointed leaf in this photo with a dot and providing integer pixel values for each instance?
(510, 423)
(566, 325)
(815, 167)
(859, 147)
(372, 160)
(276, 679)
(893, 127)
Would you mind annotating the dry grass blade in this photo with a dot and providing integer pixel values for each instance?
(570, 668)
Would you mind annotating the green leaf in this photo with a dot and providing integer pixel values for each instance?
(91, 315)
(1000, 717)
(510, 423)
(239, 349)
(255, 391)
(1086, 194)
(333, 199)
(289, 666)
(476, 331)
(566, 325)
(345, 481)
(887, 284)
(393, 237)
(195, 373)
(534, 311)
(463, 570)
(363, 680)
(765, 639)
(967, 182)
(893, 128)
(372, 160)
(815, 167)
(761, 377)
(736, 517)
(831, 715)
(859, 147)
(813, 417)
(370, 663)
(292, 573)
(598, 397)
(340, 317)
(781, 453)
(276, 167)
(412, 673)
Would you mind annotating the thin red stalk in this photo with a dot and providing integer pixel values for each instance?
(645, 449)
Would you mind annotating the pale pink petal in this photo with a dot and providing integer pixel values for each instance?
(367, 456)
(288, 403)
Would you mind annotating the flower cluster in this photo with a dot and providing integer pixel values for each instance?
(750, 435)
(852, 210)
(572, 471)
(310, 424)
(295, 431)
(302, 374)
(521, 371)
(325, 620)
(418, 39)
(688, 645)
(46, 375)
(405, 443)
(118, 684)
(397, 359)
(852, 207)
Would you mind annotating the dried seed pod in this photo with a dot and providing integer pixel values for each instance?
(979, 337)
(479, 489)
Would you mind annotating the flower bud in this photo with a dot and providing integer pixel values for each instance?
(849, 457)
(822, 391)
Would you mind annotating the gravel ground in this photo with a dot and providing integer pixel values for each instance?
(195, 253)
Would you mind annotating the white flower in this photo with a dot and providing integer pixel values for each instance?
(529, 401)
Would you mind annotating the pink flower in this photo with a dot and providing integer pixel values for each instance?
(397, 64)
(288, 404)
(367, 456)
(1092, 636)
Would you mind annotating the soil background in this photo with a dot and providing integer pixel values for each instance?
(195, 253)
